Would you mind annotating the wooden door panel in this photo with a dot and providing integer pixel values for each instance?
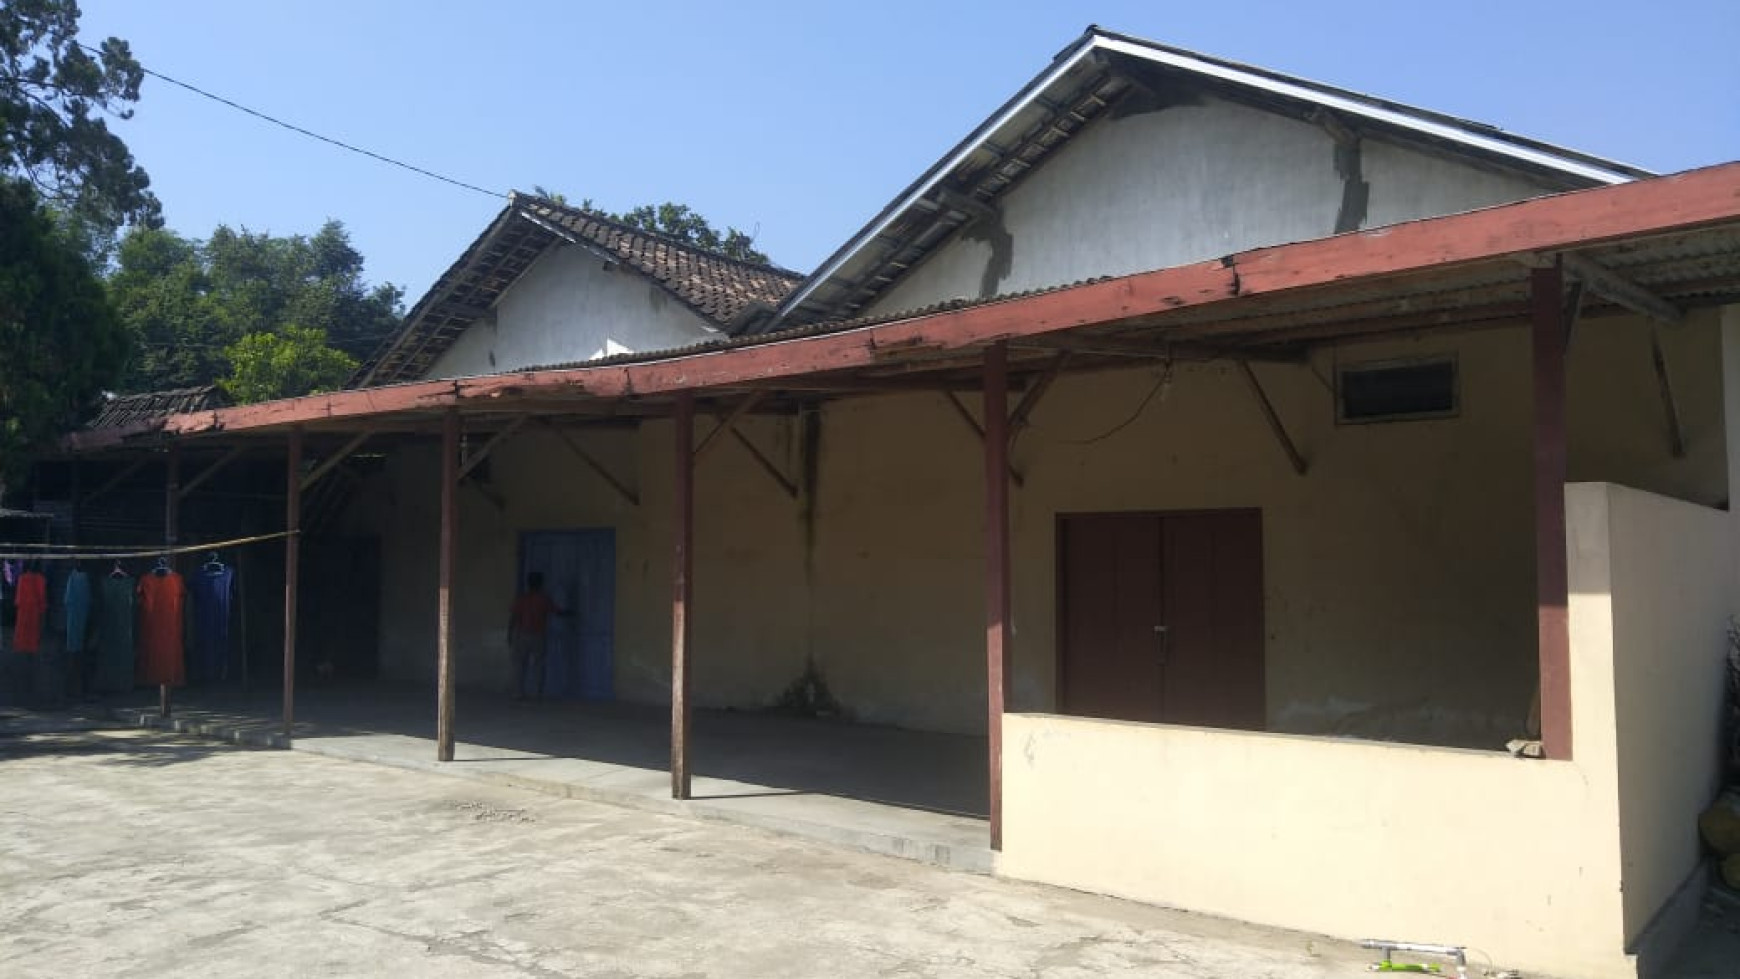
(1214, 673)
(1110, 604)
(1197, 574)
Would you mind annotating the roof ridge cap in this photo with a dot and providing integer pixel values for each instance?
(660, 236)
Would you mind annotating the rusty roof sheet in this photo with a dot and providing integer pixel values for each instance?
(123, 410)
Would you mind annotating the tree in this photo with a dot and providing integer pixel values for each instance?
(61, 343)
(679, 221)
(189, 302)
(53, 92)
(285, 364)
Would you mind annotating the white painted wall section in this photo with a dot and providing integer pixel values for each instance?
(568, 307)
(1184, 184)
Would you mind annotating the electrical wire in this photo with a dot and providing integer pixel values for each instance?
(1160, 385)
(307, 132)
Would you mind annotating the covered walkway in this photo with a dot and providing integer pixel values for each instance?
(904, 793)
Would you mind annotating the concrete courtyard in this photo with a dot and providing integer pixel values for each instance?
(149, 853)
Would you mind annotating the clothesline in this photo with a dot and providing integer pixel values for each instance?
(135, 552)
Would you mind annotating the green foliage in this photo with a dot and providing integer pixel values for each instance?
(285, 364)
(679, 221)
(53, 94)
(189, 302)
(60, 341)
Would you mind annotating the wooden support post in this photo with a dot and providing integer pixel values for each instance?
(78, 503)
(171, 536)
(967, 418)
(1274, 420)
(1552, 586)
(996, 571)
(292, 569)
(444, 598)
(682, 573)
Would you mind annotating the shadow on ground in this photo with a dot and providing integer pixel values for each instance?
(131, 748)
(940, 773)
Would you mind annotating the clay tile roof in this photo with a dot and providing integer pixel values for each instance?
(715, 285)
(122, 410)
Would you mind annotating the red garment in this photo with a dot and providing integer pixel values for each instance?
(32, 600)
(161, 600)
(531, 613)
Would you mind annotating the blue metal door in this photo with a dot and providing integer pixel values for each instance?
(579, 568)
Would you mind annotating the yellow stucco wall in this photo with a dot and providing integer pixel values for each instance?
(1398, 571)
(1549, 867)
(1672, 597)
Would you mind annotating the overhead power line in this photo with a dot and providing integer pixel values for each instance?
(341, 144)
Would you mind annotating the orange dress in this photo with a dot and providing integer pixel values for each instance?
(162, 599)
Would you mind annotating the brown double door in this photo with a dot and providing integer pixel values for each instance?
(1161, 617)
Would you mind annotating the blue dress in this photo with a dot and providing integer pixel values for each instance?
(212, 587)
(78, 610)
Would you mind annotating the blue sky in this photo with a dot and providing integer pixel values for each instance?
(800, 121)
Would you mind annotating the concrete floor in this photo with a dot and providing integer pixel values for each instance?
(149, 853)
(882, 789)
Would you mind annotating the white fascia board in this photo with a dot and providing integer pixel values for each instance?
(1377, 113)
(996, 123)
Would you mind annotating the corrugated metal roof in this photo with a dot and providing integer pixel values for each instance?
(1081, 85)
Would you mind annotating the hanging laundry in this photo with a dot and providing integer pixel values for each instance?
(162, 601)
(78, 610)
(32, 604)
(114, 640)
(212, 587)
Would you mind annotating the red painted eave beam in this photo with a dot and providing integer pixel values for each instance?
(1661, 205)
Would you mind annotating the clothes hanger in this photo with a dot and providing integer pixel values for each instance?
(213, 564)
(118, 571)
(162, 567)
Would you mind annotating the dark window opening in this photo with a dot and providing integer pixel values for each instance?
(1397, 390)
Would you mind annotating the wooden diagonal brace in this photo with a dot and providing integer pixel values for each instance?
(591, 462)
(331, 462)
(773, 472)
(1273, 419)
(728, 423)
(1030, 400)
(473, 460)
(979, 430)
(117, 479)
(208, 472)
(1621, 290)
(1670, 405)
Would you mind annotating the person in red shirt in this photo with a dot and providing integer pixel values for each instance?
(528, 632)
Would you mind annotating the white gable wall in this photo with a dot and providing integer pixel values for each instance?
(1185, 184)
(567, 307)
